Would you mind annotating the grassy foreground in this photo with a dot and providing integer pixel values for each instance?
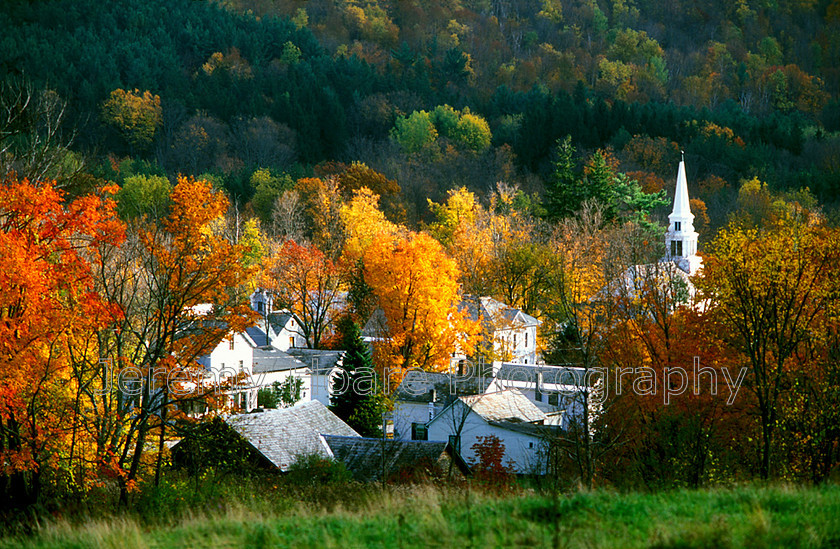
(749, 516)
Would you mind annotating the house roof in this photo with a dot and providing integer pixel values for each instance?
(363, 456)
(376, 326)
(279, 320)
(319, 361)
(507, 405)
(282, 435)
(529, 429)
(417, 386)
(271, 359)
(495, 315)
(257, 334)
(529, 373)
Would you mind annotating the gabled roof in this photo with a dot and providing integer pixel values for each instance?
(376, 326)
(271, 359)
(257, 334)
(319, 361)
(363, 456)
(282, 435)
(495, 315)
(508, 405)
(417, 386)
(279, 320)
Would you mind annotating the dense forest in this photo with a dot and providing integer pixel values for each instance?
(224, 89)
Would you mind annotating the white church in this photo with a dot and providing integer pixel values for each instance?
(681, 239)
(670, 276)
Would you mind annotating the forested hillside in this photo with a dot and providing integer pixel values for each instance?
(747, 89)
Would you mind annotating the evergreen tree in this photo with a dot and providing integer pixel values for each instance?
(563, 194)
(357, 396)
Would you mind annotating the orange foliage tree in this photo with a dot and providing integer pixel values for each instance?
(180, 287)
(46, 295)
(416, 287)
(309, 285)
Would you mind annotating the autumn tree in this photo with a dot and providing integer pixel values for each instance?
(180, 287)
(33, 141)
(47, 301)
(767, 287)
(143, 195)
(135, 115)
(592, 266)
(307, 283)
(416, 287)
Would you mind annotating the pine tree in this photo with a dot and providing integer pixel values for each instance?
(563, 195)
(357, 396)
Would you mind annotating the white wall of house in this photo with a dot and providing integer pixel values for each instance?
(233, 355)
(520, 448)
(288, 337)
(520, 342)
(406, 413)
(322, 386)
(267, 379)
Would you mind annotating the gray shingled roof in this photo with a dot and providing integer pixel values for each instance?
(417, 386)
(282, 435)
(507, 405)
(271, 359)
(560, 375)
(319, 362)
(257, 334)
(531, 429)
(363, 456)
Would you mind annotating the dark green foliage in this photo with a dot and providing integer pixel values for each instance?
(357, 397)
(317, 470)
(213, 444)
(279, 394)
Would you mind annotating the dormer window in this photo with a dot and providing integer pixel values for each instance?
(677, 226)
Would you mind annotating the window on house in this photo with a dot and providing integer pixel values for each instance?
(514, 340)
(241, 365)
(455, 442)
(677, 225)
(292, 341)
(526, 339)
(260, 306)
(553, 399)
(418, 432)
(231, 343)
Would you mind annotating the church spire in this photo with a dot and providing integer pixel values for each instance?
(681, 239)
(682, 208)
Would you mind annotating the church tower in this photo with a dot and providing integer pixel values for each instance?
(681, 240)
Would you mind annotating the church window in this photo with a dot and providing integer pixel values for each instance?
(676, 248)
(677, 226)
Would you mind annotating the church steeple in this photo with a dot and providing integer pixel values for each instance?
(681, 239)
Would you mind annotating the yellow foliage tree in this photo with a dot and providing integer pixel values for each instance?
(363, 222)
(416, 286)
(135, 115)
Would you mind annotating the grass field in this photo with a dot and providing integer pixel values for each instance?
(423, 516)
